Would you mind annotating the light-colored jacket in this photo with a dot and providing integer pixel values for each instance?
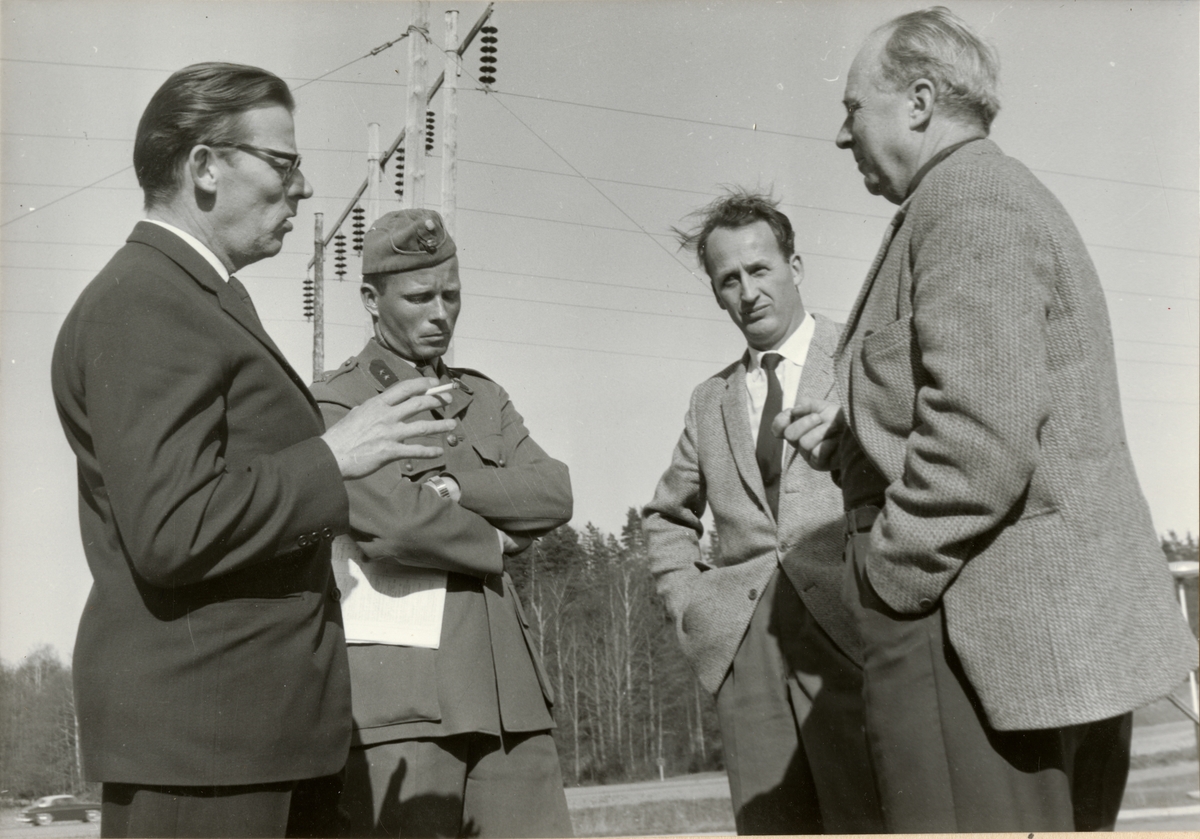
(977, 370)
(713, 464)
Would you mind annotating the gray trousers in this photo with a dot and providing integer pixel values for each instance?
(942, 768)
(791, 718)
(463, 785)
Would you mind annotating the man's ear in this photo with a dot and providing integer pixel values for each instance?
(797, 266)
(201, 169)
(370, 299)
(922, 96)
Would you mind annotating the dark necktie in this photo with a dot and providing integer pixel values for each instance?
(430, 370)
(237, 286)
(769, 450)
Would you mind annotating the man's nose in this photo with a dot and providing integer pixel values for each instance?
(749, 288)
(437, 310)
(844, 137)
(300, 186)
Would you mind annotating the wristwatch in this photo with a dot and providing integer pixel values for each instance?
(440, 485)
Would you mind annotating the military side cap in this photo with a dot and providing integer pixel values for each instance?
(406, 240)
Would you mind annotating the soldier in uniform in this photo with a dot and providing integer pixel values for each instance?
(454, 740)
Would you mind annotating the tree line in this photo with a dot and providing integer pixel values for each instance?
(39, 746)
(627, 704)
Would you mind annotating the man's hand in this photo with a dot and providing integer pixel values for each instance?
(373, 433)
(513, 544)
(814, 427)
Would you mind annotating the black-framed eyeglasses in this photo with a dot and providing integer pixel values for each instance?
(268, 156)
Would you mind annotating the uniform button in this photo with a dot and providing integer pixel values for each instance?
(452, 439)
(336, 594)
(925, 603)
(785, 546)
(315, 536)
(303, 541)
(327, 533)
(408, 467)
(501, 461)
(753, 594)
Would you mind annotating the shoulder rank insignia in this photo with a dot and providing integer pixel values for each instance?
(382, 373)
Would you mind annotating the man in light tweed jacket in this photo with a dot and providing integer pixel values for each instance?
(778, 649)
(1013, 601)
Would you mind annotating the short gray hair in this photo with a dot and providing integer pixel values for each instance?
(936, 44)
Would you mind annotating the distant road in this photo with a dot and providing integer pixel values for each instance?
(704, 785)
(10, 827)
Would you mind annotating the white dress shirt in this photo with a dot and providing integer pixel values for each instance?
(794, 351)
(199, 247)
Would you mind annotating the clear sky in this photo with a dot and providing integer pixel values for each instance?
(608, 123)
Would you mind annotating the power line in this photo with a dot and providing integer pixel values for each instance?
(375, 51)
(303, 81)
(586, 349)
(592, 307)
(753, 128)
(580, 176)
(64, 197)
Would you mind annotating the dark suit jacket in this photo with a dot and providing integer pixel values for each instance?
(713, 464)
(486, 675)
(977, 371)
(210, 650)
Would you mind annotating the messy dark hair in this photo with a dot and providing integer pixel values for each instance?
(737, 208)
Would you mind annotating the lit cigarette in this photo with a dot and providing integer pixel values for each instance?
(441, 389)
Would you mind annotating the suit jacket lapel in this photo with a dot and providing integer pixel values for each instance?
(817, 378)
(186, 257)
(734, 408)
(897, 220)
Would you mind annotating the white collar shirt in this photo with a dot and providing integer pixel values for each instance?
(197, 245)
(789, 370)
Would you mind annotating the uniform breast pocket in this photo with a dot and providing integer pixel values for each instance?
(490, 450)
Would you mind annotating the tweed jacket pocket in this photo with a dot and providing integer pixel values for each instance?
(884, 386)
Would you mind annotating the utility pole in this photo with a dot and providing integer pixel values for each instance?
(414, 112)
(387, 155)
(450, 141)
(318, 295)
(374, 173)
(450, 126)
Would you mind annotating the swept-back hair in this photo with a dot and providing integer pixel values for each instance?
(201, 103)
(737, 208)
(936, 44)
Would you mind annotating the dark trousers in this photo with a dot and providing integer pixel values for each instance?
(462, 785)
(941, 767)
(791, 718)
(305, 808)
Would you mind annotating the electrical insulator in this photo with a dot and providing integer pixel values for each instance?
(487, 58)
(428, 132)
(400, 172)
(339, 255)
(308, 297)
(359, 226)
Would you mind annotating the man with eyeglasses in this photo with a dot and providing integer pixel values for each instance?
(211, 680)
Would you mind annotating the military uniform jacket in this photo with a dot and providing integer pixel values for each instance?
(485, 676)
(977, 371)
